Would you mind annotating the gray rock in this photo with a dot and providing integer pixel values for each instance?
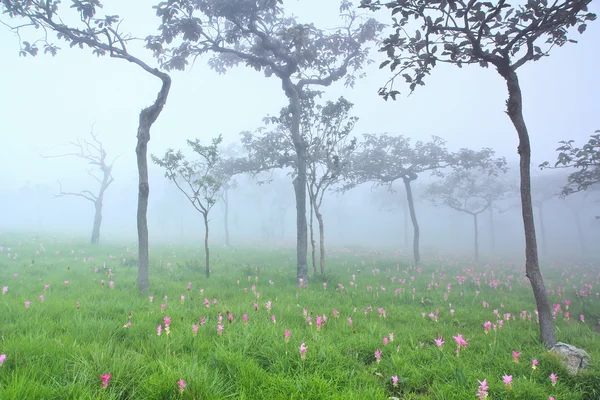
(574, 359)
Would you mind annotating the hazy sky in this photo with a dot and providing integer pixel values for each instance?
(47, 101)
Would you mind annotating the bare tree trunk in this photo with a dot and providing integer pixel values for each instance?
(321, 239)
(312, 237)
(476, 237)
(413, 218)
(226, 216)
(492, 230)
(97, 221)
(542, 228)
(532, 267)
(300, 181)
(206, 250)
(147, 117)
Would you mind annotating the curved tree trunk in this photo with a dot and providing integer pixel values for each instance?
(292, 92)
(312, 238)
(147, 117)
(476, 237)
(532, 266)
(206, 249)
(97, 221)
(413, 218)
(321, 239)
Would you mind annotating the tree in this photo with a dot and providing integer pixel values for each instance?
(201, 181)
(325, 130)
(260, 35)
(468, 191)
(104, 37)
(384, 159)
(389, 201)
(486, 33)
(585, 159)
(93, 152)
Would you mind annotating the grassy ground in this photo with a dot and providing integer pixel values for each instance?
(58, 348)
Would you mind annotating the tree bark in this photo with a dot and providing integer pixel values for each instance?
(476, 237)
(292, 92)
(321, 239)
(532, 267)
(147, 118)
(206, 249)
(97, 221)
(413, 218)
(312, 238)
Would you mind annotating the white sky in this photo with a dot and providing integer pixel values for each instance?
(47, 101)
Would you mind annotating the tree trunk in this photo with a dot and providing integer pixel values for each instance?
(413, 218)
(476, 237)
(147, 117)
(405, 209)
(532, 267)
(492, 230)
(293, 94)
(312, 237)
(226, 216)
(206, 250)
(321, 239)
(97, 221)
(542, 228)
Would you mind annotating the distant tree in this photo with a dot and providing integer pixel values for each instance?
(260, 35)
(486, 33)
(388, 200)
(325, 130)
(586, 160)
(201, 180)
(104, 37)
(469, 191)
(93, 152)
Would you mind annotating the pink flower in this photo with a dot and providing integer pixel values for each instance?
(515, 356)
(4, 289)
(385, 340)
(27, 304)
(534, 364)
(105, 380)
(378, 355)
(111, 284)
(460, 343)
(182, 300)
(167, 321)
(287, 335)
(245, 318)
(67, 284)
(46, 287)
(553, 376)
(582, 318)
(151, 298)
(182, 385)
(482, 391)
(273, 319)
(127, 325)
(159, 330)
(2, 359)
(195, 329)
(42, 298)
(162, 307)
(202, 321)
(486, 327)
(507, 379)
(439, 342)
(220, 329)
(303, 349)
(349, 321)
(395, 380)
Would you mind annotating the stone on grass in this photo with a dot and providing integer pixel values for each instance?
(574, 359)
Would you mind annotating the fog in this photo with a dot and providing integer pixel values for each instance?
(49, 101)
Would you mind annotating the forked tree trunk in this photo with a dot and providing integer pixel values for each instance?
(312, 237)
(413, 218)
(476, 237)
(300, 181)
(321, 239)
(147, 117)
(532, 266)
(206, 249)
(97, 221)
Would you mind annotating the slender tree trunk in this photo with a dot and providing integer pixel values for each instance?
(300, 181)
(206, 249)
(413, 218)
(492, 230)
(542, 229)
(226, 216)
(532, 267)
(312, 237)
(321, 239)
(97, 221)
(476, 237)
(147, 117)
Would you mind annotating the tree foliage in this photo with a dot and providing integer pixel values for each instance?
(585, 159)
(474, 32)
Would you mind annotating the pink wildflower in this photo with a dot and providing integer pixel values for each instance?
(220, 329)
(41, 298)
(159, 330)
(482, 391)
(245, 318)
(378, 355)
(534, 364)
(395, 380)
(515, 356)
(439, 342)
(507, 379)
(303, 349)
(27, 304)
(195, 330)
(460, 343)
(105, 380)
(182, 385)
(2, 359)
(286, 335)
(553, 376)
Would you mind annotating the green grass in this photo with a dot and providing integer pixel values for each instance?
(57, 350)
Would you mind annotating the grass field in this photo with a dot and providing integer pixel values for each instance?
(70, 313)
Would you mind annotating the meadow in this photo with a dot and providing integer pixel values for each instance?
(74, 326)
